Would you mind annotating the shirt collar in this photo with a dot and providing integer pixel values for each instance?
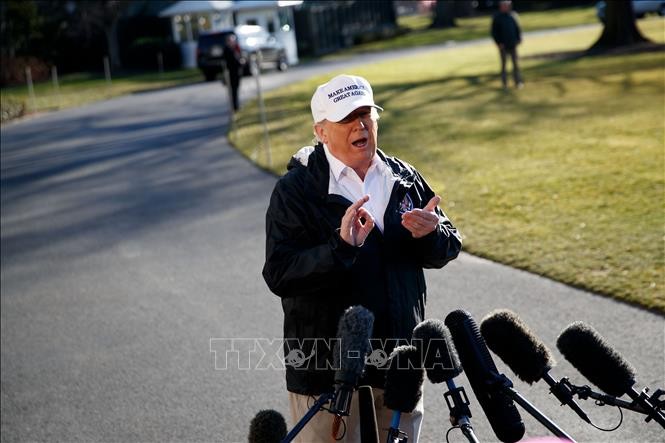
(337, 167)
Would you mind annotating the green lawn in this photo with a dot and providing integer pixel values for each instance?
(79, 89)
(564, 178)
(417, 33)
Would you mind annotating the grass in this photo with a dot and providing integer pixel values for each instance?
(564, 178)
(79, 89)
(416, 31)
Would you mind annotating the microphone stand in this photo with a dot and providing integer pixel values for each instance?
(505, 384)
(459, 410)
(318, 406)
(394, 433)
(653, 403)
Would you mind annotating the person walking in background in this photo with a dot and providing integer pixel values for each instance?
(234, 65)
(507, 34)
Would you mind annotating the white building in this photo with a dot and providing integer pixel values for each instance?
(190, 18)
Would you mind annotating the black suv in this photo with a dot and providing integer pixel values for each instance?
(251, 39)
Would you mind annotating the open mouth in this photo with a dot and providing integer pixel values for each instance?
(360, 143)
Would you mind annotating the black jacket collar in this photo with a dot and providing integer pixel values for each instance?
(317, 175)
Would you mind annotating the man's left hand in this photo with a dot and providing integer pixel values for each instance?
(421, 222)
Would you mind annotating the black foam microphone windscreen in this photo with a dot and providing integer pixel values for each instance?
(585, 349)
(351, 347)
(484, 377)
(267, 426)
(353, 333)
(404, 379)
(509, 338)
(440, 359)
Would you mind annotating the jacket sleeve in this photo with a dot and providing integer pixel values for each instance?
(495, 30)
(295, 263)
(518, 30)
(444, 243)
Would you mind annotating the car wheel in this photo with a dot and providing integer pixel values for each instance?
(210, 75)
(282, 65)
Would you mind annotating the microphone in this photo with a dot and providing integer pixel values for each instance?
(403, 388)
(442, 364)
(590, 354)
(353, 332)
(367, 413)
(267, 426)
(440, 357)
(512, 340)
(489, 386)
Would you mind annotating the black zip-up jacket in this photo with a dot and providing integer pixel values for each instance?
(318, 275)
(506, 30)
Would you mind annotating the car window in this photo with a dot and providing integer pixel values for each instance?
(212, 39)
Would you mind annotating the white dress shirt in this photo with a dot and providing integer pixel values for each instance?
(378, 184)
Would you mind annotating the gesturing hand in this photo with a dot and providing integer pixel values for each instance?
(357, 223)
(421, 222)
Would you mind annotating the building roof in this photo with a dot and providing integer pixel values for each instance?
(190, 7)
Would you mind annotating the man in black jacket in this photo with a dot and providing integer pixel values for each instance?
(507, 35)
(348, 225)
(234, 65)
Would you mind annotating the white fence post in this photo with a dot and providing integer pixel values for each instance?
(107, 71)
(31, 89)
(160, 63)
(56, 84)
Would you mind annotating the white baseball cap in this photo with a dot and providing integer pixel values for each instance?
(341, 96)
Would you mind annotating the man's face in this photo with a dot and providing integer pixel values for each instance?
(353, 139)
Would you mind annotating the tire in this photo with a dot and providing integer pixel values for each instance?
(210, 75)
(282, 65)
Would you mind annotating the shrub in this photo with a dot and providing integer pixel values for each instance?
(13, 70)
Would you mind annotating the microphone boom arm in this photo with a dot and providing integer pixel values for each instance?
(507, 386)
(654, 411)
(459, 410)
(323, 399)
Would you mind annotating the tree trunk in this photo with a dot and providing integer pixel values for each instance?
(444, 14)
(620, 27)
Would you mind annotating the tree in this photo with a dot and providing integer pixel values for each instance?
(103, 15)
(19, 24)
(620, 27)
(444, 14)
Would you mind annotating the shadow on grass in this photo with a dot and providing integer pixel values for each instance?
(563, 56)
(485, 97)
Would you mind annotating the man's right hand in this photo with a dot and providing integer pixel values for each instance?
(357, 223)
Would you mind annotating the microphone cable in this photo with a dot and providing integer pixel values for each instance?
(338, 421)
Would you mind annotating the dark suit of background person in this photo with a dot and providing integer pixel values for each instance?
(234, 66)
(507, 35)
(317, 274)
